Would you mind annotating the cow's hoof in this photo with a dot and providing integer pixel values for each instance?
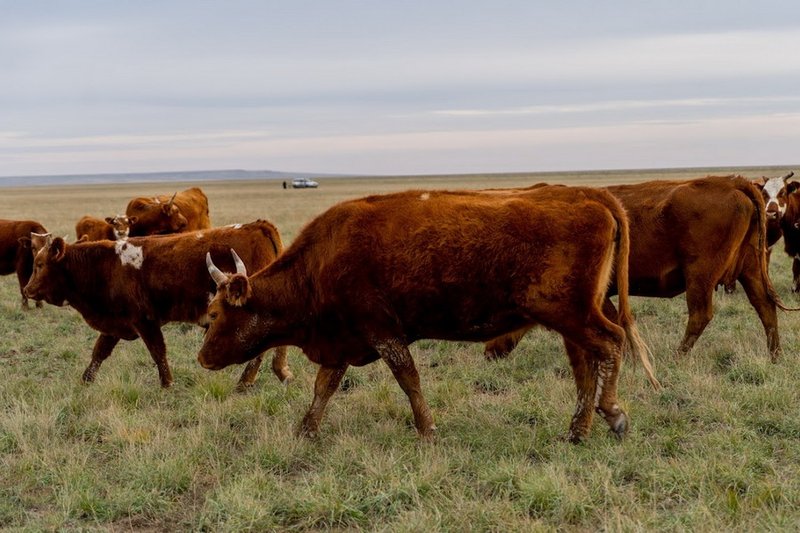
(619, 426)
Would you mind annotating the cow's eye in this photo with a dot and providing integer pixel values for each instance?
(213, 315)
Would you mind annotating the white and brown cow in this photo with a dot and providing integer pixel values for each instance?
(115, 228)
(129, 288)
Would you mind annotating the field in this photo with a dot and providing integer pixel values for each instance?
(717, 449)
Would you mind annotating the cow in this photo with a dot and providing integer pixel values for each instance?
(776, 195)
(15, 252)
(111, 229)
(370, 276)
(183, 211)
(690, 236)
(130, 288)
(790, 227)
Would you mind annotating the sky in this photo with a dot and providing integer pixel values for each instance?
(402, 87)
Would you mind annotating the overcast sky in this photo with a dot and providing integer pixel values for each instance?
(405, 87)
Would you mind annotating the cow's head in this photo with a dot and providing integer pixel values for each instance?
(122, 225)
(232, 333)
(775, 194)
(157, 218)
(47, 281)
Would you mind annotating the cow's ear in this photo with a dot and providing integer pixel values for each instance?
(57, 249)
(792, 186)
(238, 290)
(25, 242)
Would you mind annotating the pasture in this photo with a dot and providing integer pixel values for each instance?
(717, 449)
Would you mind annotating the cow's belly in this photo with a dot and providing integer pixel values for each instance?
(666, 285)
(115, 328)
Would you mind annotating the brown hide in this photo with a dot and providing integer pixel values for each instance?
(15, 251)
(187, 211)
(690, 236)
(130, 288)
(370, 276)
(790, 226)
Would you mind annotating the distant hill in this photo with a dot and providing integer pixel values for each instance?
(149, 177)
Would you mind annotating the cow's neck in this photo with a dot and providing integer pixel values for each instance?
(275, 294)
(82, 288)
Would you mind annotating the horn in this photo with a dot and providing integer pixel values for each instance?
(240, 268)
(787, 176)
(169, 204)
(217, 275)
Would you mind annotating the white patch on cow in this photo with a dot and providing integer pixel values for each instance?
(425, 196)
(772, 188)
(129, 254)
(198, 235)
(234, 226)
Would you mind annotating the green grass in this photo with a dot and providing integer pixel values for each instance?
(717, 449)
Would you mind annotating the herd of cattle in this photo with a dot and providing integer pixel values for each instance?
(370, 276)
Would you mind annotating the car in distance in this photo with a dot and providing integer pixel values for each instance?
(304, 183)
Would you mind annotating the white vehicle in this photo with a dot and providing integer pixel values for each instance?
(304, 183)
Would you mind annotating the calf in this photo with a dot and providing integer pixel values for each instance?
(111, 229)
(130, 288)
(368, 277)
(184, 211)
(690, 236)
(15, 251)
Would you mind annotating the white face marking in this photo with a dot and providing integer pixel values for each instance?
(772, 188)
(425, 196)
(129, 254)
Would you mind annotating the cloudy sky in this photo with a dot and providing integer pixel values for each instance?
(411, 87)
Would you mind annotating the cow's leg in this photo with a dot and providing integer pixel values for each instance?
(795, 275)
(328, 379)
(756, 290)
(23, 278)
(400, 362)
(701, 310)
(250, 373)
(280, 367)
(596, 374)
(103, 347)
(584, 371)
(154, 340)
(502, 346)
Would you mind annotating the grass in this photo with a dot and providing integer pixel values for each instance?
(717, 449)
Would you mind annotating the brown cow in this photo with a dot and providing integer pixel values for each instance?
(110, 229)
(790, 227)
(184, 211)
(370, 276)
(15, 251)
(690, 236)
(130, 288)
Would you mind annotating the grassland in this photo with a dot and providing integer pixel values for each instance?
(717, 449)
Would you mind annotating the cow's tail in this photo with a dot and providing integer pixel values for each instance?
(761, 254)
(635, 347)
